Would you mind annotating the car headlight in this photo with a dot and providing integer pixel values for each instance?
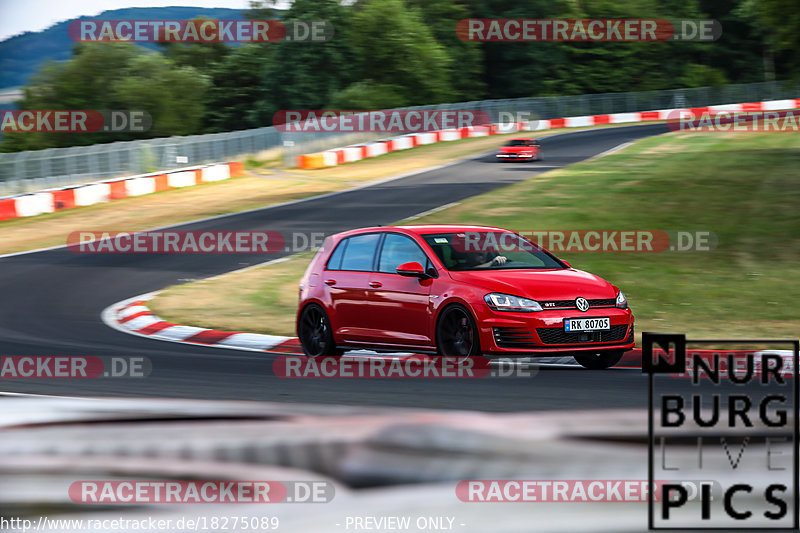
(621, 302)
(505, 302)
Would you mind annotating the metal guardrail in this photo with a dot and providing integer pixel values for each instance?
(31, 170)
(35, 170)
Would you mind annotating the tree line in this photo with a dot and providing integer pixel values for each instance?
(394, 53)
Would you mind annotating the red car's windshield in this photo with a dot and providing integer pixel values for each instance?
(484, 250)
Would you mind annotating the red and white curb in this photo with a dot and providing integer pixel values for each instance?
(134, 317)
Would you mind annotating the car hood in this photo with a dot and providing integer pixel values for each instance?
(543, 285)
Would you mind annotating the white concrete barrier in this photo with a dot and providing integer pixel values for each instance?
(140, 186)
(216, 173)
(182, 179)
(30, 205)
(92, 194)
(376, 149)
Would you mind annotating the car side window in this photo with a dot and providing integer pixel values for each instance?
(359, 253)
(399, 249)
(335, 261)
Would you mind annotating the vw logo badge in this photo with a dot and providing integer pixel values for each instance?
(582, 304)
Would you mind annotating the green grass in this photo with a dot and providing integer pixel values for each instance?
(743, 187)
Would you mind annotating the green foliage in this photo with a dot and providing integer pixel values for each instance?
(780, 22)
(305, 75)
(392, 53)
(702, 76)
(369, 95)
(394, 47)
(174, 96)
(466, 69)
(516, 70)
(200, 56)
(236, 86)
(111, 76)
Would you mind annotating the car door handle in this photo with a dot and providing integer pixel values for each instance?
(375, 284)
(330, 282)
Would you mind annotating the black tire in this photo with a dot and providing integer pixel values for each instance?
(457, 334)
(315, 333)
(599, 360)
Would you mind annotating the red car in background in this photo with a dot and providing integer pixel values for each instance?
(457, 291)
(520, 150)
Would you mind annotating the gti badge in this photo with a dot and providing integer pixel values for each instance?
(582, 304)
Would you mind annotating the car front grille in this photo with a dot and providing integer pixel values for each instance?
(524, 339)
(570, 304)
(514, 338)
(559, 336)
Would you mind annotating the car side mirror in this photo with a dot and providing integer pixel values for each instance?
(412, 270)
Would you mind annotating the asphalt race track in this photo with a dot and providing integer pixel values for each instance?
(50, 304)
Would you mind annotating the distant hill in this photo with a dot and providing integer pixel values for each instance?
(22, 55)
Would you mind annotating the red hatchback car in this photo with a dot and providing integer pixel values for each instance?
(457, 291)
(520, 150)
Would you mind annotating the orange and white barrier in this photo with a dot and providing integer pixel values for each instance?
(356, 153)
(401, 143)
(449, 135)
(91, 194)
(182, 179)
(29, 205)
(475, 131)
(425, 138)
(48, 201)
(376, 149)
(139, 186)
(624, 118)
(215, 173)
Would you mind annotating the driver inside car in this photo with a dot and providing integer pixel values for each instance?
(485, 259)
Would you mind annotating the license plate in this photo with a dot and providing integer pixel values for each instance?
(586, 324)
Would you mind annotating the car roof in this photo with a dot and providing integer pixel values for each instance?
(427, 229)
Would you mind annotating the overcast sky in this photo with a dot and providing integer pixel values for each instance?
(17, 16)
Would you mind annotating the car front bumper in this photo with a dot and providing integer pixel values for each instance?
(514, 157)
(542, 333)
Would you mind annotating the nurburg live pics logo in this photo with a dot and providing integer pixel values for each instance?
(730, 422)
